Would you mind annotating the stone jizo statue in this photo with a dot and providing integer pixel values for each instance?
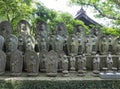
(42, 57)
(103, 45)
(80, 64)
(72, 63)
(2, 56)
(96, 64)
(16, 57)
(31, 60)
(65, 65)
(51, 63)
(109, 62)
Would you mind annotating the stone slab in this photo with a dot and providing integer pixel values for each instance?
(109, 75)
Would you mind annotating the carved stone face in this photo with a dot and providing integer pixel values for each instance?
(20, 41)
(12, 44)
(104, 39)
(42, 27)
(29, 46)
(23, 27)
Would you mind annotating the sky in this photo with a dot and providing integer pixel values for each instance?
(63, 5)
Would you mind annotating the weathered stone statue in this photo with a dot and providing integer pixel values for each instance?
(103, 45)
(43, 58)
(42, 36)
(84, 63)
(72, 63)
(5, 28)
(31, 60)
(43, 45)
(81, 46)
(2, 56)
(94, 44)
(61, 30)
(81, 65)
(88, 45)
(65, 66)
(91, 44)
(65, 46)
(42, 30)
(51, 42)
(58, 44)
(60, 60)
(96, 64)
(51, 63)
(23, 28)
(80, 30)
(21, 44)
(15, 56)
(117, 45)
(24, 34)
(109, 62)
(110, 44)
(96, 31)
(73, 45)
(118, 64)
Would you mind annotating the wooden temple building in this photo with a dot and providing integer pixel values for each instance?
(81, 15)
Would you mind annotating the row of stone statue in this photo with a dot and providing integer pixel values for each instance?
(47, 49)
(44, 40)
(50, 63)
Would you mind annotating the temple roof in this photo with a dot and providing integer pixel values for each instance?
(81, 15)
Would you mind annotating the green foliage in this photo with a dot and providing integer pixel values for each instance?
(84, 84)
(15, 10)
(52, 18)
(112, 31)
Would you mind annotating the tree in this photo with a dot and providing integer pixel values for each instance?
(14, 10)
(69, 21)
(52, 17)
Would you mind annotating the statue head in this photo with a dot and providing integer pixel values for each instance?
(2, 40)
(5, 28)
(79, 29)
(41, 27)
(12, 43)
(29, 44)
(24, 27)
(20, 40)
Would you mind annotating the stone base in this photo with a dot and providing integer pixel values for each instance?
(52, 74)
(96, 71)
(95, 75)
(15, 74)
(32, 74)
(65, 75)
(72, 69)
(81, 74)
(65, 72)
(110, 75)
